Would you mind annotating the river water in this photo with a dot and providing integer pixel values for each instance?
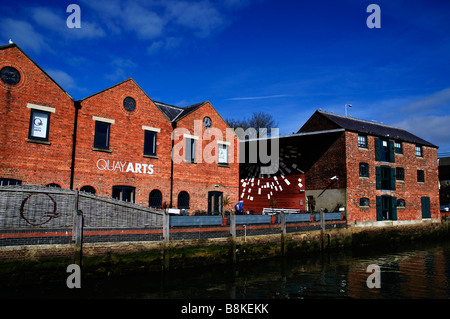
(413, 272)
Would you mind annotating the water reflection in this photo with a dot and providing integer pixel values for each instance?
(421, 272)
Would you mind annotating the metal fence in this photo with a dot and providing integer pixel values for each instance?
(47, 215)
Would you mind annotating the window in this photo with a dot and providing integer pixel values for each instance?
(101, 139)
(124, 193)
(401, 203)
(362, 141)
(88, 189)
(150, 143)
(183, 200)
(155, 199)
(53, 185)
(223, 154)
(418, 151)
(363, 170)
(420, 176)
(400, 173)
(364, 202)
(190, 150)
(398, 147)
(384, 150)
(385, 177)
(39, 125)
(9, 181)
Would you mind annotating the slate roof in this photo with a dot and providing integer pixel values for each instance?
(373, 128)
(175, 113)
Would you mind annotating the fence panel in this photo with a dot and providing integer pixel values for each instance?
(35, 207)
(195, 220)
(253, 219)
(102, 212)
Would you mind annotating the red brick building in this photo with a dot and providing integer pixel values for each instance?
(370, 171)
(384, 173)
(117, 142)
(36, 123)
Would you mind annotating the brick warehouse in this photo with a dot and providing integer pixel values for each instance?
(117, 142)
(382, 173)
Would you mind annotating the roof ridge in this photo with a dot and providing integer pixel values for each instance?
(170, 105)
(362, 120)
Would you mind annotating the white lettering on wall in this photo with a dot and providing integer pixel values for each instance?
(124, 167)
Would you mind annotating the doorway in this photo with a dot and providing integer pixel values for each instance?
(426, 209)
(215, 202)
(386, 208)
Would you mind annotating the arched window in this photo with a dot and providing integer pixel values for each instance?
(88, 189)
(155, 199)
(183, 199)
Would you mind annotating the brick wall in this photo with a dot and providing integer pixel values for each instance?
(410, 190)
(331, 162)
(206, 174)
(31, 162)
(126, 144)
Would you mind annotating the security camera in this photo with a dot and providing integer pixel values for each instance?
(334, 177)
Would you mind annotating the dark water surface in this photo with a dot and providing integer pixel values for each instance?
(416, 272)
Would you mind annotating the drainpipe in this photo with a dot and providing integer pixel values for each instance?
(174, 126)
(77, 106)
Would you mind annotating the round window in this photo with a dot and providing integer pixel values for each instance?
(129, 104)
(10, 75)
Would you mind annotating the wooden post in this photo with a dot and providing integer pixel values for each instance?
(166, 240)
(322, 228)
(166, 227)
(283, 233)
(77, 231)
(322, 219)
(233, 236)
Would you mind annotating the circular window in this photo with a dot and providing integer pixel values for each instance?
(129, 104)
(10, 75)
(207, 122)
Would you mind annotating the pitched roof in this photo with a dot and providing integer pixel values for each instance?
(373, 128)
(175, 113)
(14, 45)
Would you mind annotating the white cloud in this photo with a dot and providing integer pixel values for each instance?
(63, 79)
(23, 33)
(143, 21)
(56, 21)
(201, 17)
(164, 44)
(156, 20)
(433, 129)
(433, 102)
(121, 69)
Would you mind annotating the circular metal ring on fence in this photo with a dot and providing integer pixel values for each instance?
(49, 214)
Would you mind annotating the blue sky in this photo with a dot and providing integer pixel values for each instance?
(285, 58)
